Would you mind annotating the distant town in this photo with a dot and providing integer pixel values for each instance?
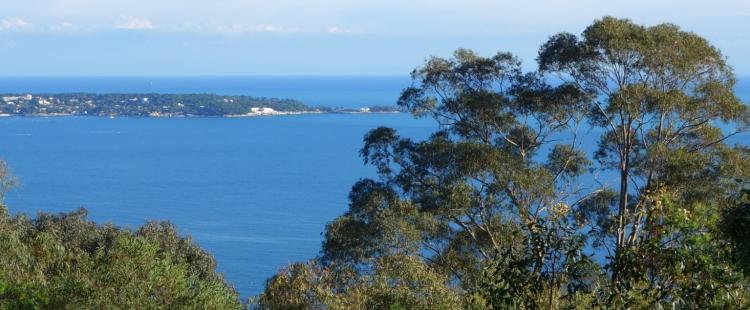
(162, 105)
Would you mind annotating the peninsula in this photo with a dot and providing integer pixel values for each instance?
(161, 105)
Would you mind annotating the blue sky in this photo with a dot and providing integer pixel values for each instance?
(335, 37)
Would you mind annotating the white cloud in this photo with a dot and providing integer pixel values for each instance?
(270, 28)
(382, 17)
(133, 23)
(340, 30)
(334, 29)
(14, 24)
(238, 29)
(64, 26)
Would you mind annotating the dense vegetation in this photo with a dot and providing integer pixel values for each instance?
(142, 104)
(63, 261)
(157, 105)
(508, 205)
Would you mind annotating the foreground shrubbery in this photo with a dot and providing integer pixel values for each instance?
(64, 261)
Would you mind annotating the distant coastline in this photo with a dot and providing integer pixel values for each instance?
(162, 105)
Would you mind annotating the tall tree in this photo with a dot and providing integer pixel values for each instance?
(518, 206)
(665, 102)
(481, 189)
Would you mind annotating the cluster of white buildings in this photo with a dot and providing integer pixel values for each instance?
(263, 111)
(13, 99)
(268, 112)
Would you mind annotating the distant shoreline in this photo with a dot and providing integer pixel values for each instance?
(163, 105)
(60, 115)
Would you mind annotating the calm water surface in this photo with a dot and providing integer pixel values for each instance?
(256, 192)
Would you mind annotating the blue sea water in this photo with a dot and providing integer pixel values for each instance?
(256, 192)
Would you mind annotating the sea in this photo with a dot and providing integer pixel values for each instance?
(255, 192)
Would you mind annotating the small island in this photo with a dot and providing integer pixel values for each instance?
(162, 105)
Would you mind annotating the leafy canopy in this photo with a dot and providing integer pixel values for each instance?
(601, 180)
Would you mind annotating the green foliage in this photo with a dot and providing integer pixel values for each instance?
(64, 261)
(7, 181)
(144, 104)
(660, 95)
(735, 224)
(395, 282)
(492, 206)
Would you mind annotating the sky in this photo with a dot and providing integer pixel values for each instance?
(315, 37)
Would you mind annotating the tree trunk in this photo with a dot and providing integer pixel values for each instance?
(622, 208)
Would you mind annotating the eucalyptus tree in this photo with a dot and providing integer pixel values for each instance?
(663, 99)
(515, 204)
(490, 190)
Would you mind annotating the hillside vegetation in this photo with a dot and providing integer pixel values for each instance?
(64, 261)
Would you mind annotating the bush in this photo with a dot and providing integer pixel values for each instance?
(64, 261)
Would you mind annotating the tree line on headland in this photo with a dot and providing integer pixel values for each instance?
(501, 208)
(157, 105)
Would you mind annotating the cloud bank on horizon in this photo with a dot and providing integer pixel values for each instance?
(86, 37)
